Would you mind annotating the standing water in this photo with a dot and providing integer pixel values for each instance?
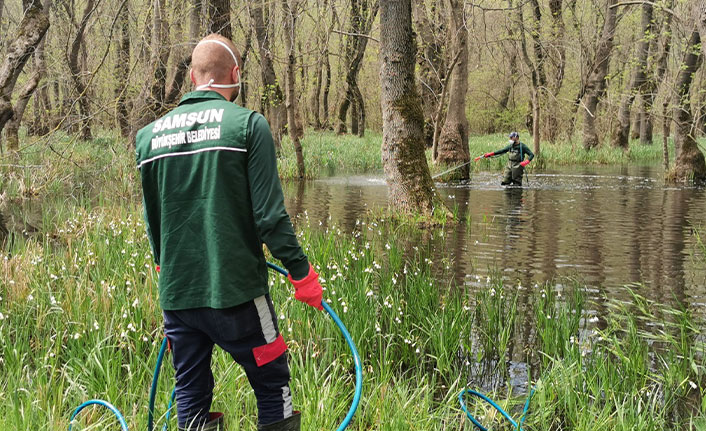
(606, 226)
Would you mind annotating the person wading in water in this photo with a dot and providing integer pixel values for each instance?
(516, 163)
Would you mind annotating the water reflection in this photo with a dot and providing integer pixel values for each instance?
(608, 226)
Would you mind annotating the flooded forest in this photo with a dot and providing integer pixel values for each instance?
(501, 196)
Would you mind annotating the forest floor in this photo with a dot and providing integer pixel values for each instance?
(79, 319)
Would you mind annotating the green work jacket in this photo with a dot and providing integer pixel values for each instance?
(212, 197)
(517, 152)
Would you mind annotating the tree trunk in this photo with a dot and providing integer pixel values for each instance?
(700, 15)
(363, 13)
(646, 125)
(637, 116)
(290, 9)
(453, 142)
(430, 23)
(410, 184)
(327, 90)
(119, 75)
(649, 92)
(183, 53)
(77, 72)
(316, 97)
(272, 98)
(621, 134)
(160, 58)
(537, 74)
(596, 85)
(13, 126)
(29, 34)
(219, 22)
(152, 97)
(689, 160)
(665, 135)
(354, 116)
(556, 80)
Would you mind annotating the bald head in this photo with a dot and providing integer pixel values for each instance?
(210, 60)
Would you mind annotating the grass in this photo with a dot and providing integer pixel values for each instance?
(79, 319)
(326, 153)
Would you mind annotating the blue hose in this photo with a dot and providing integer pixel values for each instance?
(354, 351)
(105, 404)
(517, 426)
(155, 380)
(163, 349)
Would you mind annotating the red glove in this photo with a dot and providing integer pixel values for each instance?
(486, 155)
(308, 290)
(525, 163)
(477, 158)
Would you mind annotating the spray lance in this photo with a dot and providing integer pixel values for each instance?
(165, 346)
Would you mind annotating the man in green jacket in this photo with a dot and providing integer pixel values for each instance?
(212, 197)
(516, 161)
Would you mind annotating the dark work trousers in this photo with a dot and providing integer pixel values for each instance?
(248, 332)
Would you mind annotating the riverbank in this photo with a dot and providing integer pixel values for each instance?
(326, 153)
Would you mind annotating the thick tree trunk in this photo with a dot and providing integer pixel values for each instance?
(363, 13)
(290, 10)
(219, 14)
(29, 34)
(406, 169)
(272, 99)
(596, 85)
(121, 78)
(621, 134)
(13, 126)
(689, 160)
(453, 142)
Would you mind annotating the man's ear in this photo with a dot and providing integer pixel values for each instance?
(191, 75)
(235, 74)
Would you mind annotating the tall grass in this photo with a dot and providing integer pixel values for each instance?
(326, 154)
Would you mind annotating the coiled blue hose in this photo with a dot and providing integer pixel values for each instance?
(516, 425)
(165, 345)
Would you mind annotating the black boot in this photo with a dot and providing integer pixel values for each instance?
(292, 423)
(215, 423)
